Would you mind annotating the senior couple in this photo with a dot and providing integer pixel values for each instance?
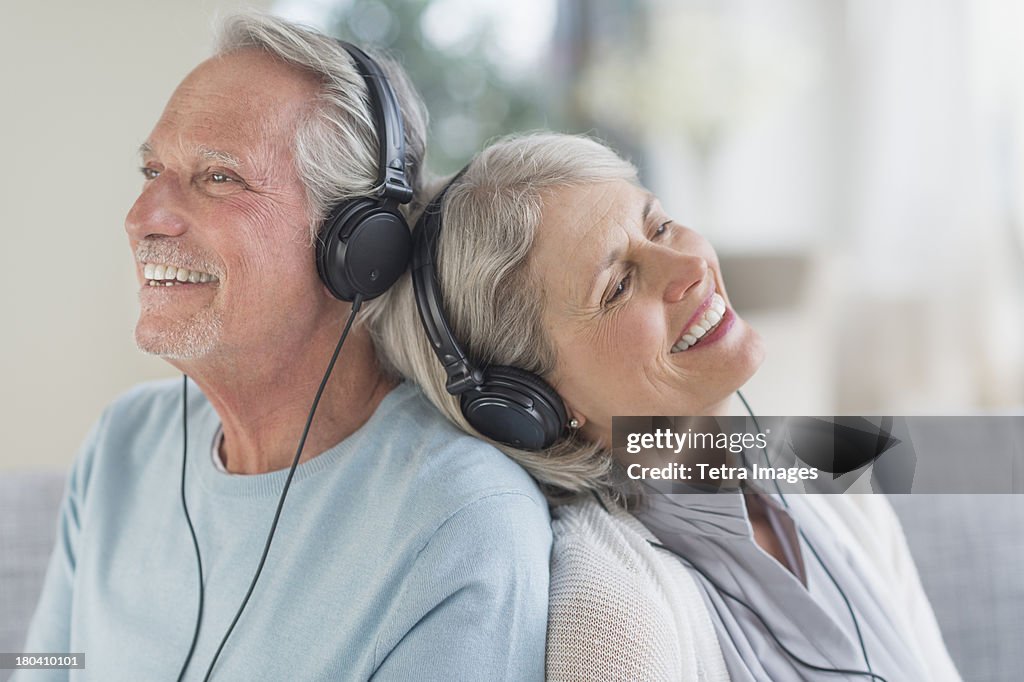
(426, 535)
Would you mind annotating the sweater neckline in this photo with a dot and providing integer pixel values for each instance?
(208, 424)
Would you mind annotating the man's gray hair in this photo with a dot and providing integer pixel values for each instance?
(492, 299)
(335, 143)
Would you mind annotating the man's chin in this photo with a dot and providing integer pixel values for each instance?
(186, 343)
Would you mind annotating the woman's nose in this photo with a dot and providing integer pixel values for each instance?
(158, 211)
(683, 273)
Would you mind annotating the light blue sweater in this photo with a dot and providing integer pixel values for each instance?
(406, 552)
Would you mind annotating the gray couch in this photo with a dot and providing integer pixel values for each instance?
(969, 550)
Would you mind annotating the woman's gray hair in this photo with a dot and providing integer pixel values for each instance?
(493, 300)
(336, 142)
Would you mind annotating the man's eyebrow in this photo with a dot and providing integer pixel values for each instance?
(219, 156)
(203, 152)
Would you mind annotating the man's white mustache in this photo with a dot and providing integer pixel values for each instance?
(156, 252)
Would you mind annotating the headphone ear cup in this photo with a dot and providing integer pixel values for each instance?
(516, 408)
(364, 248)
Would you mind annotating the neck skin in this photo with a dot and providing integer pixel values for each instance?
(264, 399)
(766, 538)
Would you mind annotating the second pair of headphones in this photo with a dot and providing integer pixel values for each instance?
(506, 404)
(364, 243)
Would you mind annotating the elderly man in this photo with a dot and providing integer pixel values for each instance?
(404, 550)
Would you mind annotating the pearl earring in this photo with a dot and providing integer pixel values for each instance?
(574, 423)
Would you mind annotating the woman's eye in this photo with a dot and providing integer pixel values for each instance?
(661, 229)
(149, 173)
(620, 288)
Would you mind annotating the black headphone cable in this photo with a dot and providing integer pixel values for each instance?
(188, 519)
(724, 592)
(356, 304)
(810, 545)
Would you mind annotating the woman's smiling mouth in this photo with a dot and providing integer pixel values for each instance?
(708, 322)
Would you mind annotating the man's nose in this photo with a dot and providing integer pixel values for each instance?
(159, 210)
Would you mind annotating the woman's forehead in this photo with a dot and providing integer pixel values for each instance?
(591, 211)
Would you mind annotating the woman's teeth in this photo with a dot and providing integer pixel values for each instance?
(708, 321)
(160, 275)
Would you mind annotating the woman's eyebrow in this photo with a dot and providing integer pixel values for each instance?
(606, 262)
(616, 254)
(648, 205)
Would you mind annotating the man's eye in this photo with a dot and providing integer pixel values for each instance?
(219, 178)
(620, 288)
(149, 173)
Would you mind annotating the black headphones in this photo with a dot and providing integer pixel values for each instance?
(506, 404)
(364, 243)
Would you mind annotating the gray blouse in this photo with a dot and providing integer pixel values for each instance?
(800, 603)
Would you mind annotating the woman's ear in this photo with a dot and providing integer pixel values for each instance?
(576, 418)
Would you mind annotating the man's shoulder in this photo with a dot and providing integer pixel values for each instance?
(129, 429)
(161, 394)
(147, 406)
(441, 454)
(435, 471)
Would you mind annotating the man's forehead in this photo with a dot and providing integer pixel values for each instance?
(237, 110)
(250, 76)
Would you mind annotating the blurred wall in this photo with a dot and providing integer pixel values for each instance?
(82, 88)
(859, 166)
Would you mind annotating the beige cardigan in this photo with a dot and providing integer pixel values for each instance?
(623, 610)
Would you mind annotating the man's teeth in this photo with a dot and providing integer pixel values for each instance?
(708, 321)
(161, 275)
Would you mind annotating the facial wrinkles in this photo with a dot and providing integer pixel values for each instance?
(583, 302)
(269, 190)
(667, 383)
(275, 162)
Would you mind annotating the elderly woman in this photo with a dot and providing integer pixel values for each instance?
(566, 295)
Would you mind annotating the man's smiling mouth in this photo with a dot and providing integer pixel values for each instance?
(161, 275)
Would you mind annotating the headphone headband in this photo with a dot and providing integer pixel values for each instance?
(462, 375)
(388, 122)
(506, 404)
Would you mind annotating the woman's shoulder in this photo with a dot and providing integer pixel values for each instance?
(614, 534)
(619, 609)
(867, 520)
(607, 616)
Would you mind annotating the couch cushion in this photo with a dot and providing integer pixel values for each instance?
(969, 551)
(28, 525)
